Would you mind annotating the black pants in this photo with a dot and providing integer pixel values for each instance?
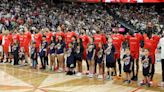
(44, 61)
(95, 66)
(119, 66)
(162, 63)
(87, 65)
(16, 60)
(135, 67)
(152, 72)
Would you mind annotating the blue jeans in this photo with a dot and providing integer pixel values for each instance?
(34, 63)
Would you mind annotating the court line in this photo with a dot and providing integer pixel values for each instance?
(39, 72)
(135, 90)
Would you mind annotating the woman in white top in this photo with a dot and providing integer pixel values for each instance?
(161, 44)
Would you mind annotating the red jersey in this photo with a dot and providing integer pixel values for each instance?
(27, 38)
(85, 40)
(6, 43)
(1, 37)
(117, 41)
(48, 37)
(21, 40)
(151, 44)
(60, 34)
(134, 43)
(139, 36)
(16, 37)
(10, 37)
(38, 39)
(68, 37)
(104, 38)
(156, 38)
(98, 38)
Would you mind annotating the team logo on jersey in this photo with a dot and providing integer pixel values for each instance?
(78, 49)
(58, 46)
(32, 50)
(90, 48)
(127, 61)
(52, 46)
(108, 50)
(69, 52)
(100, 53)
(146, 63)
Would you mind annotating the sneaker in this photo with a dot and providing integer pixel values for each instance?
(99, 76)
(60, 70)
(90, 75)
(142, 83)
(74, 72)
(79, 74)
(151, 82)
(148, 84)
(50, 69)
(161, 84)
(132, 78)
(87, 72)
(107, 77)
(68, 73)
(128, 81)
(135, 78)
(71, 73)
(125, 81)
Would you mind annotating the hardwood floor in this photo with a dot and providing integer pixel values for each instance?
(25, 79)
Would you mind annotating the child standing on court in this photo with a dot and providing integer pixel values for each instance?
(34, 55)
(128, 63)
(109, 51)
(70, 59)
(146, 68)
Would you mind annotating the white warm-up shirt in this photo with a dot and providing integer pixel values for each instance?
(161, 44)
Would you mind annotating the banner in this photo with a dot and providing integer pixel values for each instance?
(124, 1)
(120, 29)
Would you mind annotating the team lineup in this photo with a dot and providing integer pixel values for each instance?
(66, 51)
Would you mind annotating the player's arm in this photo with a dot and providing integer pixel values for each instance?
(124, 58)
(150, 61)
(94, 53)
(131, 64)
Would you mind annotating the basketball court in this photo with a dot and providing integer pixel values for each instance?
(25, 79)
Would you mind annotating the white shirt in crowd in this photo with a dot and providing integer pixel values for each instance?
(161, 44)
